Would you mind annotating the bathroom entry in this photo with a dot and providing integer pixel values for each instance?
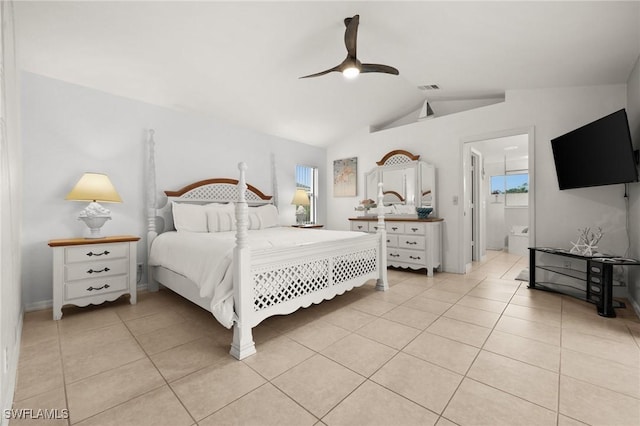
(498, 194)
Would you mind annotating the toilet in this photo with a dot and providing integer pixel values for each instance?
(519, 240)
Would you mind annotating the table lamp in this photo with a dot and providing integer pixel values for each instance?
(94, 187)
(300, 199)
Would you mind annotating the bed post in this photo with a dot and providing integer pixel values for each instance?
(382, 283)
(152, 285)
(242, 345)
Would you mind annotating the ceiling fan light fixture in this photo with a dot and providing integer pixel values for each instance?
(351, 67)
(351, 72)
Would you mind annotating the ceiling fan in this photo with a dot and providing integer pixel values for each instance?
(351, 66)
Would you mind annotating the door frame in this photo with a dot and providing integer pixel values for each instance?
(465, 186)
(476, 216)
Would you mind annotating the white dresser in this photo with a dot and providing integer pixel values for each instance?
(411, 243)
(92, 271)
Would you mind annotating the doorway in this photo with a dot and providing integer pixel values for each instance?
(498, 209)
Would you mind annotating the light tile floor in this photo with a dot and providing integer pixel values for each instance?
(478, 349)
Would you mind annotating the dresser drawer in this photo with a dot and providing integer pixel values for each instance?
(95, 287)
(94, 252)
(360, 226)
(96, 269)
(395, 228)
(373, 226)
(406, 256)
(392, 240)
(411, 242)
(414, 228)
(393, 254)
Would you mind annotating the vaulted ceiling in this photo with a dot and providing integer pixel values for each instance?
(241, 61)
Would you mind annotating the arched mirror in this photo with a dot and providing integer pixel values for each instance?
(406, 180)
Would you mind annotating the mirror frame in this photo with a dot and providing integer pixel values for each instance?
(401, 160)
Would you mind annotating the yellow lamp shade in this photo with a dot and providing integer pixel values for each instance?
(300, 198)
(94, 187)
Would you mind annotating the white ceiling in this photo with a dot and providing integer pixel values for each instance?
(240, 61)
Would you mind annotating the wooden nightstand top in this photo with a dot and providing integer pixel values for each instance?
(83, 241)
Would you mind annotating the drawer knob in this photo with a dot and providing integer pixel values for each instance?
(414, 258)
(394, 255)
(106, 252)
(359, 226)
(91, 271)
(411, 242)
(395, 228)
(98, 288)
(414, 229)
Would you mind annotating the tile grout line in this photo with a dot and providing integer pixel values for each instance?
(501, 315)
(465, 376)
(166, 382)
(111, 369)
(64, 381)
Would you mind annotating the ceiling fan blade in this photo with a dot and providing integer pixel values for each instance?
(351, 35)
(351, 61)
(318, 74)
(379, 68)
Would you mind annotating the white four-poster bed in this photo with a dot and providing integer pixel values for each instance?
(259, 270)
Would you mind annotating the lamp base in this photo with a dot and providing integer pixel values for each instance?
(300, 214)
(94, 224)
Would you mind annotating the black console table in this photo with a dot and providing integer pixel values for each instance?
(589, 278)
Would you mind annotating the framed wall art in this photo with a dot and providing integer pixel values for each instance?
(345, 172)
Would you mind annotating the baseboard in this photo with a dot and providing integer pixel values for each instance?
(38, 306)
(46, 304)
(467, 268)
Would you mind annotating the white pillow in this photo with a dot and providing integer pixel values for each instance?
(268, 215)
(220, 220)
(254, 221)
(221, 206)
(220, 217)
(189, 217)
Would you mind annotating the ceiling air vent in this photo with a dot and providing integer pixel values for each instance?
(429, 87)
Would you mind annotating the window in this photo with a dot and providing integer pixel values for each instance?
(307, 178)
(514, 186)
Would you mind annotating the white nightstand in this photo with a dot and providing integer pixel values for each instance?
(93, 271)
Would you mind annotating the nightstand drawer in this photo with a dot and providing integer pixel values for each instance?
(96, 252)
(96, 269)
(96, 286)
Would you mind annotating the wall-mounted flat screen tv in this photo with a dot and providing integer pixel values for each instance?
(599, 153)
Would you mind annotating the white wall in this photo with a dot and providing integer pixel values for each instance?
(68, 129)
(10, 207)
(551, 112)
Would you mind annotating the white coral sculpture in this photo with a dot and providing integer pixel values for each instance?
(587, 242)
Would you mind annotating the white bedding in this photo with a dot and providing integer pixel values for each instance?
(206, 258)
